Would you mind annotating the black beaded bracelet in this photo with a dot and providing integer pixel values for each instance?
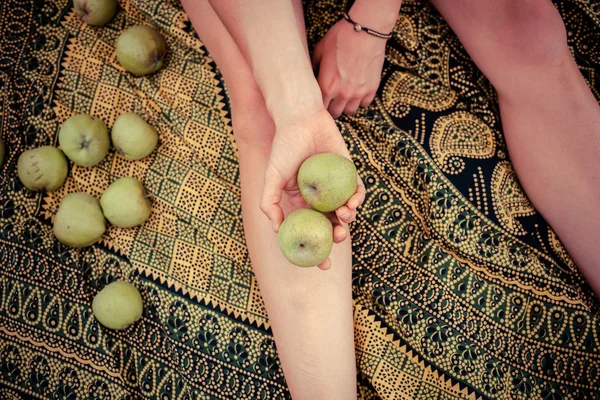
(358, 27)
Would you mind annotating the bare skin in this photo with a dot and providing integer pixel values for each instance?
(551, 122)
(310, 310)
(349, 63)
(284, 75)
(550, 118)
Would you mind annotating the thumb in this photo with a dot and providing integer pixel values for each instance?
(316, 57)
(271, 197)
(340, 233)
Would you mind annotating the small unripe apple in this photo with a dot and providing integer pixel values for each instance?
(141, 50)
(118, 305)
(95, 12)
(327, 181)
(84, 139)
(42, 168)
(125, 203)
(306, 237)
(133, 137)
(79, 221)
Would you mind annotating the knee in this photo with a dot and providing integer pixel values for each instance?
(513, 42)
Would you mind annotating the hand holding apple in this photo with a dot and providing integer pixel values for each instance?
(326, 181)
(297, 139)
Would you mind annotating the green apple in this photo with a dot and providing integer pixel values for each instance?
(84, 139)
(118, 305)
(79, 221)
(95, 12)
(125, 203)
(133, 137)
(327, 181)
(141, 50)
(1, 151)
(306, 237)
(43, 168)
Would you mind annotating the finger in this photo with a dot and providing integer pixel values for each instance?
(343, 212)
(367, 100)
(335, 221)
(339, 234)
(352, 107)
(346, 214)
(324, 81)
(316, 57)
(271, 196)
(339, 231)
(359, 196)
(336, 107)
(325, 265)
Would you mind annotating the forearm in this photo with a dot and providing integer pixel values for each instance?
(271, 36)
(310, 310)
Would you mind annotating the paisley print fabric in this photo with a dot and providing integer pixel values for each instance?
(461, 289)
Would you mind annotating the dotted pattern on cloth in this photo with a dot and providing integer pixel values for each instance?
(461, 289)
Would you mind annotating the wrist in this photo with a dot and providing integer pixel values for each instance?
(379, 15)
(366, 44)
(294, 99)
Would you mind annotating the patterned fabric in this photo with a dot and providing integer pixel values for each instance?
(461, 289)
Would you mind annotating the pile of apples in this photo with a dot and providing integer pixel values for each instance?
(81, 219)
(326, 182)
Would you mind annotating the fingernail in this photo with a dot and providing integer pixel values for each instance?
(346, 216)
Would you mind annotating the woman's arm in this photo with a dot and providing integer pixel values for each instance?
(274, 43)
(310, 311)
(349, 63)
(270, 39)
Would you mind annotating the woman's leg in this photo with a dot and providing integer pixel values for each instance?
(310, 310)
(550, 118)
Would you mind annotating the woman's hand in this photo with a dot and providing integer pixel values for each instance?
(349, 63)
(349, 68)
(297, 138)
